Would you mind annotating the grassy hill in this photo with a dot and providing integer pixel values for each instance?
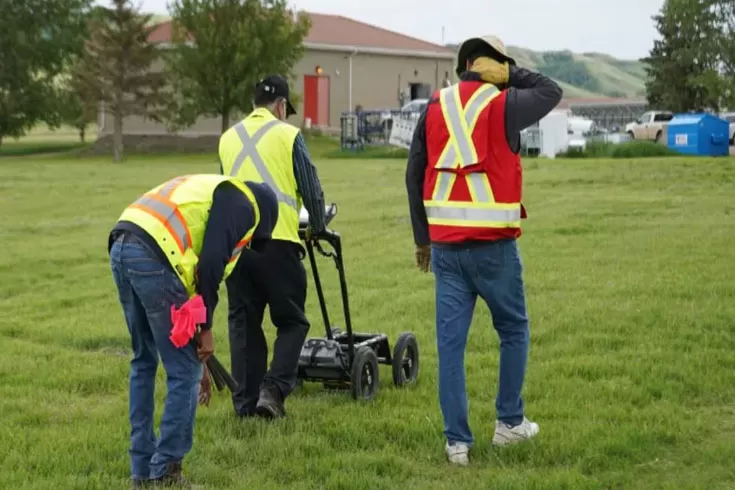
(585, 74)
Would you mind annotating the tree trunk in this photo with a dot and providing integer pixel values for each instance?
(1, 140)
(117, 138)
(81, 135)
(225, 121)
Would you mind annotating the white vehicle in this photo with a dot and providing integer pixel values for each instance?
(416, 106)
(730, 117)
(411, 110)
(649, 126)
(579, 126)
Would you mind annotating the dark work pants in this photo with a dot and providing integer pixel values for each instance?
(275, 276)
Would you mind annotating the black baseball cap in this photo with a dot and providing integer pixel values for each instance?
(275, 86)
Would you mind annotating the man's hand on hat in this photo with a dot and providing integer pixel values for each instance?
(492, 71)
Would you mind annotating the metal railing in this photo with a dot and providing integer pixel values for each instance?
(531, 141)
(372, 127)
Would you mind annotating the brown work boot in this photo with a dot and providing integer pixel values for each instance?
(172, 478)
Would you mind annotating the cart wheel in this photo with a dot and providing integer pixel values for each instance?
(405, 359)
(365, 374)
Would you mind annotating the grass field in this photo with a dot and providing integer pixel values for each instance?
(629, 270)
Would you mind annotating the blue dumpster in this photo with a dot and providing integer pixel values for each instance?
(698, 134)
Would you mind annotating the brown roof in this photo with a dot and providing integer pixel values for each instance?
(161, 33)
(336, 30)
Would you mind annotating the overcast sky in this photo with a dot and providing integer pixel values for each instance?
(622, 28)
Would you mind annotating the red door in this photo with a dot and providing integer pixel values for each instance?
(323, 106)
(316, 99)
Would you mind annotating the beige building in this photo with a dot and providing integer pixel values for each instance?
(346, 63)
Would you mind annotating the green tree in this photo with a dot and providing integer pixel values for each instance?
(683, 67)
(220, 50)
(726, 13)
(37, 37)
(79, 106)
(118, 63)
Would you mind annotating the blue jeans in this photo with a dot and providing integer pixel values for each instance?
(492, 271)
(147, 288)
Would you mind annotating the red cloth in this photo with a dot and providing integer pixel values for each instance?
(186, 319)
(495, 157)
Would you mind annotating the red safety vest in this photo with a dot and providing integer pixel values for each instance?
(473, 180)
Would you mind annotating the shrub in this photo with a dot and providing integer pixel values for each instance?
(641, 149)
(573, 153)
(599, 149)
(26, 148)
(629, 149)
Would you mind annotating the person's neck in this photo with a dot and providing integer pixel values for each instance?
(264, 111)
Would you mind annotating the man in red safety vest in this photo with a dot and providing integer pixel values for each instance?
(464, 183)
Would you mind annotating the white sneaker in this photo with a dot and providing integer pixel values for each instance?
(504, 434)
(458, 453)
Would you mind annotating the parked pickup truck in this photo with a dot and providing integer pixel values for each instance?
(649, 126)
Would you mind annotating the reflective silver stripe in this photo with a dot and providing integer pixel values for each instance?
(476, 182)
(167, 189)
(443, 186)
(168, 213)
(248, 143)
(471, 111)
(453, 115)
(450, 158)
(473, 214)
(237, 250)
(248, 150)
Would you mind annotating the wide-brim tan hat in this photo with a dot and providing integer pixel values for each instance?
(472, 44)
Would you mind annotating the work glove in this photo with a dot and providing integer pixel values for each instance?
(310, 234)
(205, 343)
(423, 257)
(205, 387)
(491, 71)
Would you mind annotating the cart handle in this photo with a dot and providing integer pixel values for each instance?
(327, 235)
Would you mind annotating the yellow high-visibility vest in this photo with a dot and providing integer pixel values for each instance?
(175, 215)
(260, 149)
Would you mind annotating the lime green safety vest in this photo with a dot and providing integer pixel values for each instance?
(260, 149)
(175, 215)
